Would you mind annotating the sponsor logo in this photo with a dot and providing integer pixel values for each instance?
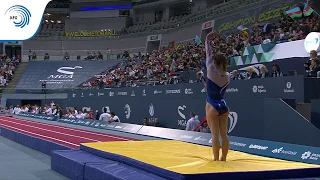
(133, 94)
(122, 93)
(151, 110)
(100, 94)
(174, 91)
(254, 146)
(312, 42)
(19, 15)
(111, 94)
(144, 92)
(204, 90)
(157, 92)
(82, 95)
(186, 137)
(127, 111)
(232, 90)
(64, 76)
(182, 121)
(309, 155)
(258, 89)
(233, 119)
(200, 139)
(188, 91)
(74, 95)
(90, 94)
(282, 151)
(173, 136)
(288, 88)
(238, 144)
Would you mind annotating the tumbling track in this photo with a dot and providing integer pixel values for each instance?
(95, 159)
(69, 137)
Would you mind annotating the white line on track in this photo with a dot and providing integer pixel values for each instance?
(67, 128)
(51, 131)
(28, 132)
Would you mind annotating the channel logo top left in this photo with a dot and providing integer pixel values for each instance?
(20, 15)
(21, 19)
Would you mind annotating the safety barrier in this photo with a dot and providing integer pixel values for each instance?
(39, 116)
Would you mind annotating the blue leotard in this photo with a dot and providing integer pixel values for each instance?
(215, 96)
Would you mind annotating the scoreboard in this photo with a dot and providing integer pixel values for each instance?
(101, 5)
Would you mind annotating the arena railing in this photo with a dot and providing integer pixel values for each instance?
(75, 58)
(66, 89)
(216, 12)
(59, 54)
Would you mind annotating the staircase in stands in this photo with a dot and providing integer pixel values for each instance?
(10, 88)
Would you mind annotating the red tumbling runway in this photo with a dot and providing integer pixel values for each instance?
(66, 136)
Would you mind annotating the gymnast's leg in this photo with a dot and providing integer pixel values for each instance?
(223, 122)
(213, 122)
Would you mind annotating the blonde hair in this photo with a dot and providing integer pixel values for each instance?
(264, 69)
(250, 69)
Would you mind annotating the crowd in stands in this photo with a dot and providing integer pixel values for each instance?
(164, 66)
(70, 112)
(7, 68)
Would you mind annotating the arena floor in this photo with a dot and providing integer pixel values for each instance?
(24, 163)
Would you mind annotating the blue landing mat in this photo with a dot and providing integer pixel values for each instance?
(80, 165)
(32, 142)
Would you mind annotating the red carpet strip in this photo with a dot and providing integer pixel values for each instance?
(66, 136)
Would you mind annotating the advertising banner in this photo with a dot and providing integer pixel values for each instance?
(66, 74)
(92, 33)
(123, 127)
(39, 116)
(263, 14)
(177, 101)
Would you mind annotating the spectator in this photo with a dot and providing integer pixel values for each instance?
(34, 56)
(251, 73)
(66, 56)
(30, 54)
(145, 122)
(314, 68)
(114, 118)
(157, 123)
(192, 123)
(48, 110)
(105, 116)
(235, 75)
(46, 57)
(276, 71)
(264, 72)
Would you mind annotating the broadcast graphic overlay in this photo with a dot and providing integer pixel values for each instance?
(21, 19)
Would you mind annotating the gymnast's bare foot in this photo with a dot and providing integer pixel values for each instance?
(223, 159)
(215, 159)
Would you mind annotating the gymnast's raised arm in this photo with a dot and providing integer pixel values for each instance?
(208, 47)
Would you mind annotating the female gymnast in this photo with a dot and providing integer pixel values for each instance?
(217, 110)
